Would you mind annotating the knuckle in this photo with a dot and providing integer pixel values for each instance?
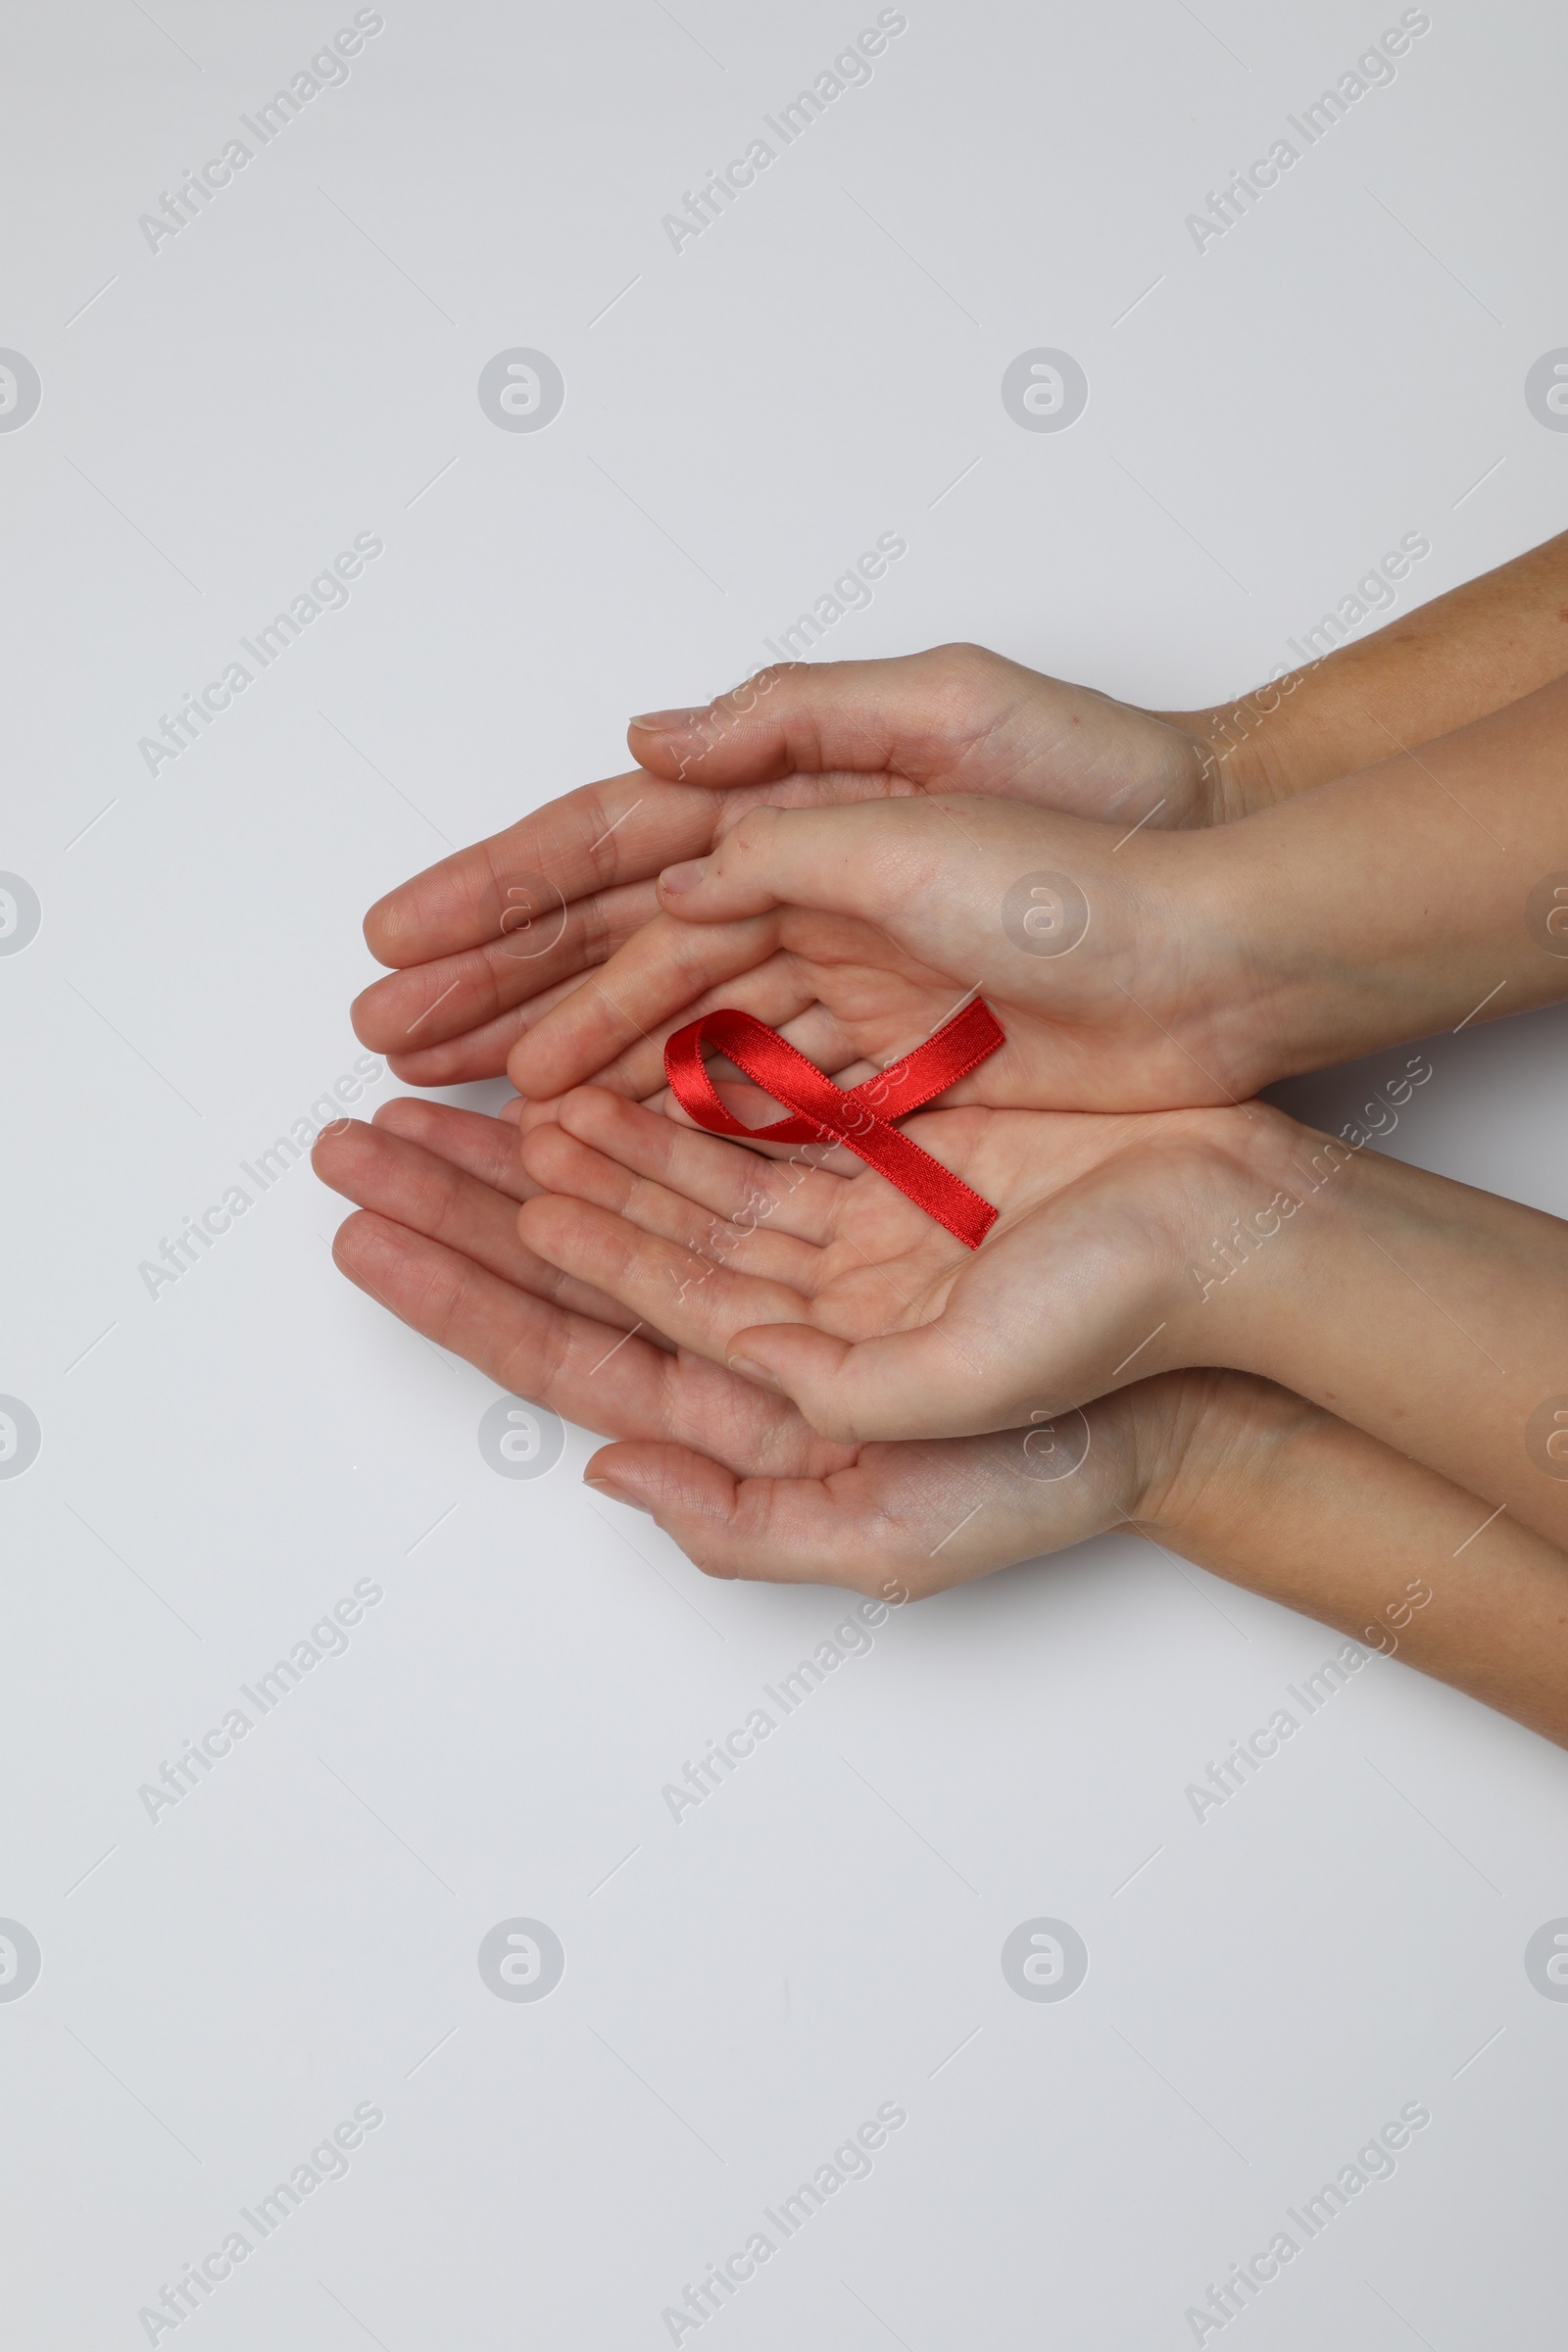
(960, 674)
(960, 663)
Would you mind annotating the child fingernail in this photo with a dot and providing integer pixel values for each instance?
(748, 1369)
(676, 878)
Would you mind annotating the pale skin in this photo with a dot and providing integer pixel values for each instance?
(1426, 1312)
(485, 963)
(1234, 1472)
(953, 720)
(1381, 906)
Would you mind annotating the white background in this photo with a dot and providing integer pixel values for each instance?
(219, 1466)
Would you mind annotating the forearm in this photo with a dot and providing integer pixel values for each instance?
(1286, 1499)
(1438, 668)
(1429, 1314)
(1414, 896)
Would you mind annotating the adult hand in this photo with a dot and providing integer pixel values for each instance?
(1120, 973)
(1425, 1312)
(484, 942)
(733, 1473)
(1232, 1472)
(1130, 971)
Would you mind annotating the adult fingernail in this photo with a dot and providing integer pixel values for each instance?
(748, 1369)
(676, 878)
(664, 723)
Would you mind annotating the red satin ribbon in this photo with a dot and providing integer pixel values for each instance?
(826, 1113)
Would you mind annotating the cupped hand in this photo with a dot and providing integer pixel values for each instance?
(487, 940)
(733, 1474)
(1120, 972)
(826, 1284)
(1231, 1471)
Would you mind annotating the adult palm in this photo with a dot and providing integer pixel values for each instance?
(733, 1473)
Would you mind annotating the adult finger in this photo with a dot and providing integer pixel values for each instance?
(897, 1523)
(954, 719)
(618, 831)
(785, 1531)
(480, 1052)
(485, 1147)
(547, 941)
(613, 1030)
(580, 1369)
(909, 721)
(414, 1187)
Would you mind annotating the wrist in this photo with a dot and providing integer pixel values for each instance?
(1360, 914)
(1241, 1243)
(1183, 1443)
(1183, 762)
(1226, 954)
(1287, 1501)
(1255, 751)
(1209, 1451)
(1297, 953)
(1421, 1310)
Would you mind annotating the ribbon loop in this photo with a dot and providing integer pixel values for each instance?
(858, 1116)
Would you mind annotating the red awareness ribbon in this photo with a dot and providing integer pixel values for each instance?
(825, 1112)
